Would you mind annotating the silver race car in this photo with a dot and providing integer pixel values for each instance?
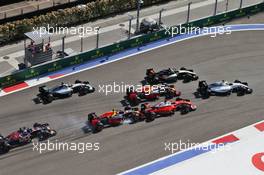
(223, 88)
(82, 87)
(47, 95)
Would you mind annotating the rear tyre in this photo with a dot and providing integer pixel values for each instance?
(241, 92)
(150, 117)
(46, 100)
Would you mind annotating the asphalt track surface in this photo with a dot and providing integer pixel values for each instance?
(236, 56)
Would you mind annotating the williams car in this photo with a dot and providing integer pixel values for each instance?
(222, 88)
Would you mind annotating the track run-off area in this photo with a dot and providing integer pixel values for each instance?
(225, 57)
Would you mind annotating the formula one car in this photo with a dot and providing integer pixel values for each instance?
(170, 75)
(170, 107)
(160, 109)
(135, 115)
(4, 146)
(94, 123)
(184, 105)
(82, 87)
(107, 119)
(222, 88)
(47, 95)
(146, 93)
(42, 131)
(118, 117)
(169, 91)
(20, 137)
(150, 93)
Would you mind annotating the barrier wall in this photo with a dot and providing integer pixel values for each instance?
(111, 49)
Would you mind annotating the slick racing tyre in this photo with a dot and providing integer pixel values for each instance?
(195, 77)
(37, 100)
(185, 109)
(4, 149)
(241, 92)
(150, 116)
(249, 91)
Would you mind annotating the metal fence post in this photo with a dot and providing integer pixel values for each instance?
(63, 45)
(97, 38)
(227, 2)
(81, 44)
(130, 25)
(160, 16)
(215, 9)
(241, 4)
(189, 11)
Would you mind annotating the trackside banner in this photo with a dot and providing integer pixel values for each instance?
(114, 48)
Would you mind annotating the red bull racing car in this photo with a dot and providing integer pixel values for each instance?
(118, 117)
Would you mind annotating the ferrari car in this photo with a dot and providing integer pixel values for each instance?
(42, 131)
(169, 107)
(170, 75)
(160, 109)
(223, 88)
(47, 95)
(184, 105)
(19, 137)
(4, 146)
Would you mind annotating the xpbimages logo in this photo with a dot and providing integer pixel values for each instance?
(81, 31)
(191, 30)
(114, 87)
(174, 147)
(79, 147)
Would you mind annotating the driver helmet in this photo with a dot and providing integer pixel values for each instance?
(114, 112)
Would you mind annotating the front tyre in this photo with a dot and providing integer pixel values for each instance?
(249, 91)
(185, 109)
(195, 77)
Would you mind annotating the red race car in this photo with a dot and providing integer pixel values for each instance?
(160, 109)
(169, 107)
(135, 115)
(111, 118)
(169, 91)
(20, 137)
(184, 105)
(146, 93)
